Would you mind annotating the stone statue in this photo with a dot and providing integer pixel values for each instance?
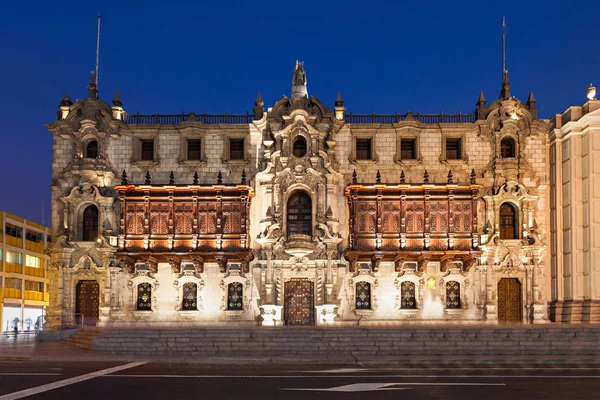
(299, 75)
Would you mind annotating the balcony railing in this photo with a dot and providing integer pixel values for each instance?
(441, 118)
(174, 119)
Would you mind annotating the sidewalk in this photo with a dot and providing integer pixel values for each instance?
(25, 348)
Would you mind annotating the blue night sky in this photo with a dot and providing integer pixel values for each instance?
(215, 55)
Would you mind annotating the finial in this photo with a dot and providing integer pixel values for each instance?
(124, 178)
(243, 177)
(450, 176)
(354, 180)
(378, 177)
(219, 178)
(117, 100)
(590, 93)
(259, 101)
(66, 101)
(339, 102)
(195, 178)
(473, 177)
(171, 178)
(531, 99)
(92, 88)
(481, 100)
(148, 181)
(426, 177)
(505, 91)
(402, 177)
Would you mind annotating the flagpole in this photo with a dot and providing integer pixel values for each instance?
(97, 49)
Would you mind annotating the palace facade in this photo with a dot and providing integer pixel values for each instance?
(306, 215)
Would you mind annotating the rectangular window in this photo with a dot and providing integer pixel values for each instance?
(363, 149)
(236, 149)
(147, 149)
(31, 261)
(408, 149)
(1, 254)
(13, 283)
(453, 149)
(193, 149)
(36, 237)
(15, 258)
(34, 286)
(14, 231)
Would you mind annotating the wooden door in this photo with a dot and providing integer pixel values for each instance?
(509, 300)
(87, 302)
(299, 302)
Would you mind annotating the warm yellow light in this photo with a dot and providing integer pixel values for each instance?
(431, 283)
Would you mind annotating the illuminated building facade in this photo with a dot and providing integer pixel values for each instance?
(301, 215)
(23, 280)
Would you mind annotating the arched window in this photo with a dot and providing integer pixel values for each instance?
(299, 214)
(91, 149)
(299, 146)
(363, 296)
(508, 222)
(507, 148)
(144, 297)
(190, 297)
(90, 224)
(235, 295)
(407, 293)
(452, 294)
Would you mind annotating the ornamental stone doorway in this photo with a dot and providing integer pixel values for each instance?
(87, 302)
(509, 300)
(299, 307)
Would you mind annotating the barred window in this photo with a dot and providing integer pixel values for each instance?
(91, 149)
(363, 296)
(193, 149)
(144, 297)
(236, 149)
(147, 150)
(407, 293)
(452, 294)
(90, 224)
(190, 297)
(235, 292)
(507, 148)
(453, 149)
(408, 149)
(509, 228)
(299, 214)
(363, 149)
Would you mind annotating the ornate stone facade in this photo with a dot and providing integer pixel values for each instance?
(301, 215)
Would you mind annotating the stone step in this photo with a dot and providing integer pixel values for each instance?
(350, 341)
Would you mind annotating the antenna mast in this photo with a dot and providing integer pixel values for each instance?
(97, 49)
(503, 47)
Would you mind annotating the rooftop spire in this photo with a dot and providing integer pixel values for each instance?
(259, 109)
(117, 100)
(339, 102)
(481, 100)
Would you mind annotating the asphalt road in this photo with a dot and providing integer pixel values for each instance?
(111, 380)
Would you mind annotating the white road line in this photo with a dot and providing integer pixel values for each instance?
(348, 376)
(67, 382)
(27, 373)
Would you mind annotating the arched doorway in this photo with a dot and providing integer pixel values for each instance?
(508, 222)
(91, 149)
(87, 302)
(509, 300)
(299, 214)
(507, 148)
(90, 224)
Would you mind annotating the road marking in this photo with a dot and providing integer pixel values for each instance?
(67, 382)
(355, 387)
(338, 371)
(27, 373)
(345, 377)
(369, 387)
